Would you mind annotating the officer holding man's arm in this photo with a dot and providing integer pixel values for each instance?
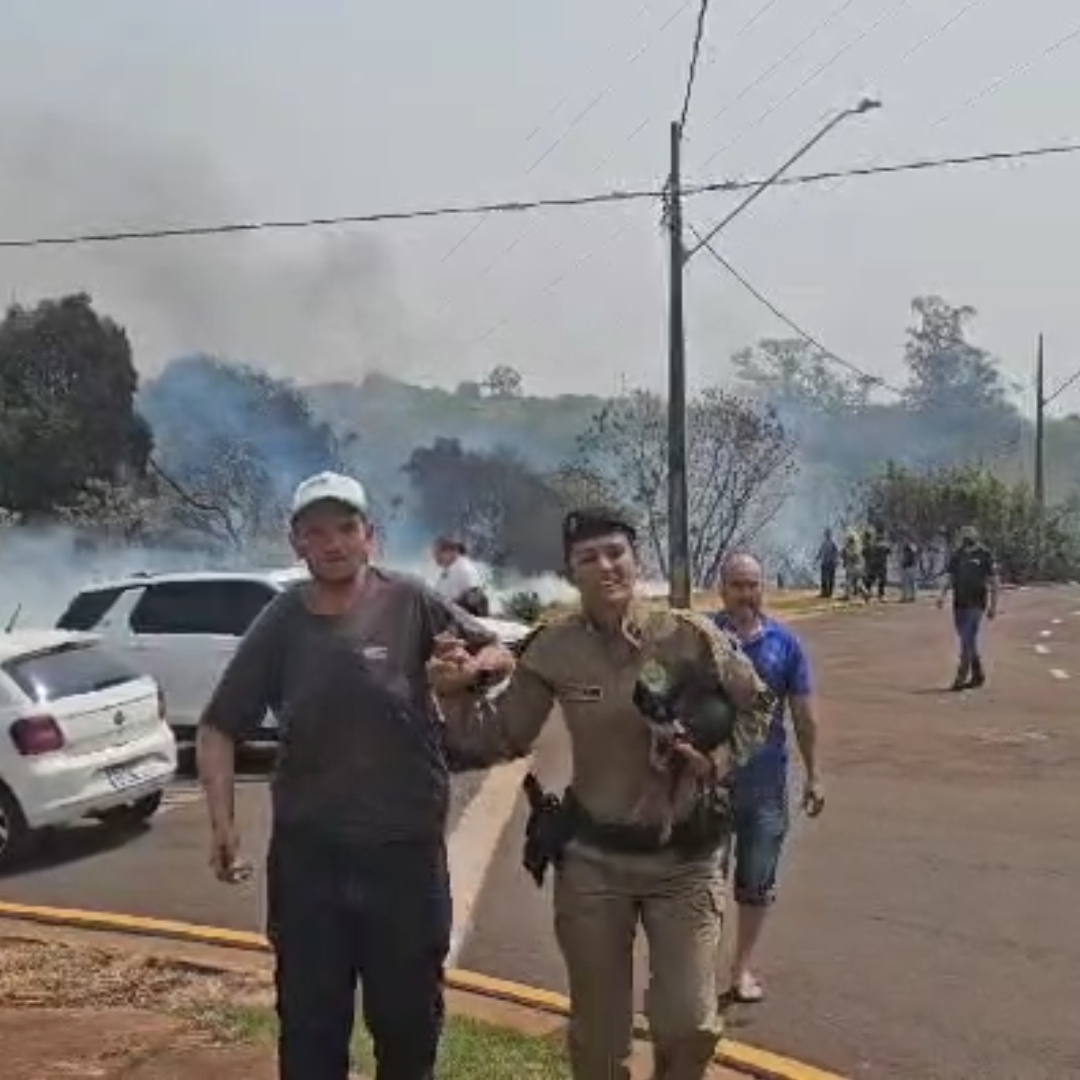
(623, 862)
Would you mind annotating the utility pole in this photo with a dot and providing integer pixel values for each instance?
(679, 592)
(1040, 457)
(1040, 432)
(678, 498)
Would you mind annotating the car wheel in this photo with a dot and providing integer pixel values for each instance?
(14, 832)
(132, 814)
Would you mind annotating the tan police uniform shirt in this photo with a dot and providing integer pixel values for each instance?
(590, 675)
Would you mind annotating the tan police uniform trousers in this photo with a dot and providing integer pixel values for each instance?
(600, 898)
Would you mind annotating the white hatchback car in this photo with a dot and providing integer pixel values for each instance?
(82, 734)
(182, 628)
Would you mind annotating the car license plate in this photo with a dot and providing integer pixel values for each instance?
(125, 776)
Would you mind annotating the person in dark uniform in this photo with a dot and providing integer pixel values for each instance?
(876, 551)
(971, 576)
(828, 557)
(909, 571)
(357, 880)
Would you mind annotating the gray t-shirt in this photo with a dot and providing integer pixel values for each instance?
(361, 742)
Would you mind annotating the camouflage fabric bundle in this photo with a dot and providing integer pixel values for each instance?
(682, 694)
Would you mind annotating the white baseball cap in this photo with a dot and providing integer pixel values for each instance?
(329, 487)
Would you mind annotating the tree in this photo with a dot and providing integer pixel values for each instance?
(507, 514)
(67, 393)
(931, 505)
(233, 444)
(739, 461)
(791, 371)
(955, 393)
(503, 381)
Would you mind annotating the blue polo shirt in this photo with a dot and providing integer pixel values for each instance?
(777, 654)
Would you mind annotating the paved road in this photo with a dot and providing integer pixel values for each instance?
(926, 926)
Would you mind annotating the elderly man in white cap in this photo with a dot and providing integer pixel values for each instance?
(357, 877)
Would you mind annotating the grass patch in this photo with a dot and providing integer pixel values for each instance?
(470, 1049)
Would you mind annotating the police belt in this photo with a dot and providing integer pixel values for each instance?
(696, 837)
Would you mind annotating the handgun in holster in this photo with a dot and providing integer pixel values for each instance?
(546, 832)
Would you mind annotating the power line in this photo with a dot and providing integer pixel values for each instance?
(1063, 387)
(776, 65)
(523, 205)
(815, 74)
(999, 81)
(919, 45)
(599, 97)
(642, 14)
(755, 18)
(695, 54)
(898, 167)
(786, 319)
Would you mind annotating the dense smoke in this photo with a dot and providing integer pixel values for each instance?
(316, 304)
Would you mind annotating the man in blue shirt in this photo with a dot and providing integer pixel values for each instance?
(761, 797)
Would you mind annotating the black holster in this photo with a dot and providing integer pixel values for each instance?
(704, 832)
(547, 831)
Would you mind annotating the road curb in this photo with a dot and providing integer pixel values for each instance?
(749, 1060)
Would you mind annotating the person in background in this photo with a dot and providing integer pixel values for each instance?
(876, 551)
(357, 880)
(761, 785)
(460, 580)
(621, 868)
(854, 568)
(971, 576)
(828, 558)
(909, 571)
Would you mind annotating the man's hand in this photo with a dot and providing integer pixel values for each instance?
(813, 798)
(452, 669)
(224, 857)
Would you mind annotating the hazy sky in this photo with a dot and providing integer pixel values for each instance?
(124, 113)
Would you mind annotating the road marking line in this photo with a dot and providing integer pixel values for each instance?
(1045, 633)
(1055, 622)
(472, 845)
(177, 799)
(1042, 650)
(1057, 673)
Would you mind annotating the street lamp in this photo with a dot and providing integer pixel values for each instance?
(864, 106)
(678, 494)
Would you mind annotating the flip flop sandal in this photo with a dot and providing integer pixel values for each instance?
(747, 991)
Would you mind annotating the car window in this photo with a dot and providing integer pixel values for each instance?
(68, 670)
(88, 609)
(200, 607)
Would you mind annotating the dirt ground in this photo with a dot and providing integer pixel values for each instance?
(78, 1013)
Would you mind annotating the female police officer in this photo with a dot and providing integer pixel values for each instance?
(617, 870)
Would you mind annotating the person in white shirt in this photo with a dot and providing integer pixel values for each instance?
(459, 580)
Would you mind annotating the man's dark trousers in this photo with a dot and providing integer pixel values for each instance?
(338, 915)
(828, 579)
(968, 622)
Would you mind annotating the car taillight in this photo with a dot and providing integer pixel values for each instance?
(35, 735)
(161, 710)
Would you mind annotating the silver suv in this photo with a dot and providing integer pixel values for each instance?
(183, 628)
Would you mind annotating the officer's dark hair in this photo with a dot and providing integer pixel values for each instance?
(590, 522)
